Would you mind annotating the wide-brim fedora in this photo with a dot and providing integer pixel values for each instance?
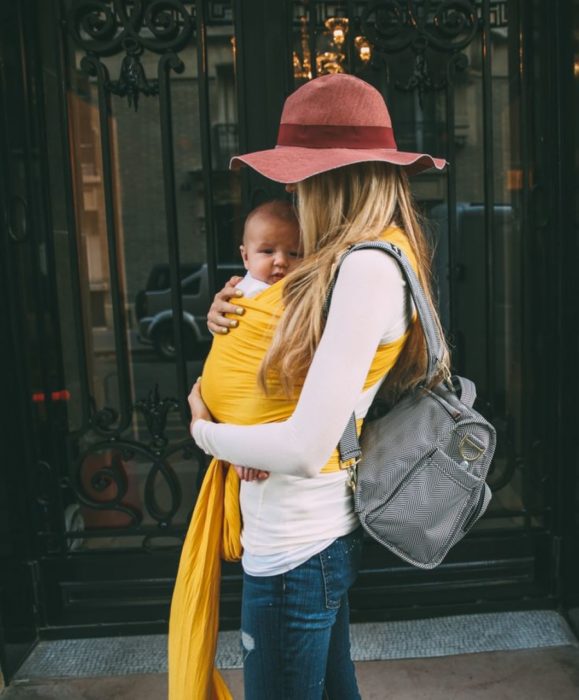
(330, 122)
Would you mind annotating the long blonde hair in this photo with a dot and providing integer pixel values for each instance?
(337, 209)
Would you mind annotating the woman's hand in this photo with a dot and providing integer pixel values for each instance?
(198, 408)
(200, 411)
(216, 321)
(249, 474)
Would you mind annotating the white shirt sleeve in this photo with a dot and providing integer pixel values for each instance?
(367, 303)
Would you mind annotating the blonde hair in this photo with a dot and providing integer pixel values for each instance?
(337, 209)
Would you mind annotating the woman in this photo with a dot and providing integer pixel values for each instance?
(301, 537)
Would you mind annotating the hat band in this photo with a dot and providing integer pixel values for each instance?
(335, 136)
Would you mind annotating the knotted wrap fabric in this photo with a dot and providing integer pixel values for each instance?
(229, 388)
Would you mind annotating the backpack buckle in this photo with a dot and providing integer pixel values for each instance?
(350, 463)
(353, 477)
(469, 449)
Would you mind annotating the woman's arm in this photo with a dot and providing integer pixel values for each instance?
(368, 300)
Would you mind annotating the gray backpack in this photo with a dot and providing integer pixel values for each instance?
(418, 472)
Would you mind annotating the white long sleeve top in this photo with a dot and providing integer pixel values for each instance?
(298, 511)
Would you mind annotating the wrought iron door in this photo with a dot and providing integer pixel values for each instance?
(142, 105)
(457, 76)
(141, 109)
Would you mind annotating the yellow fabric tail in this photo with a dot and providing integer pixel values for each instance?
(214, 533)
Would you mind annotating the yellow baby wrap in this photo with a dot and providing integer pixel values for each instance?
(229, 387)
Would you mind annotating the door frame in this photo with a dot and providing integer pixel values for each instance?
(19, 601)
(565, 26)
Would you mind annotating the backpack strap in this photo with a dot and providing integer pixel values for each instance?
(423, 308)
(466, 390)
(348, 446)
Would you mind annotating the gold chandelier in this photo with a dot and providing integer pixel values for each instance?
(331, 56)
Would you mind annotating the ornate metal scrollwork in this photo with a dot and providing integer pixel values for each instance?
(103, 483)
(105, 479)
(446, 27)
(107, 27)
(132, 80)
(155, 411)
(103, 421)
(101, 479)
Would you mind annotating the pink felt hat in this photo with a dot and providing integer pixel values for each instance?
(329, 122)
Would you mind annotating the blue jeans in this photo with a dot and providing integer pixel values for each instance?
(295, 628)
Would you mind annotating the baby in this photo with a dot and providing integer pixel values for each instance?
(270, 250)
(271, 246)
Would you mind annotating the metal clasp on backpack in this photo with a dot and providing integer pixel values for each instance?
(350, 465)
(467, 442)
(352, 478)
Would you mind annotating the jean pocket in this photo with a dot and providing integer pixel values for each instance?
(340, 563)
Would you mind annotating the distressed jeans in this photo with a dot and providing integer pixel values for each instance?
(295, 628)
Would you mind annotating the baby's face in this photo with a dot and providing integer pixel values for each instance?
(271, 248)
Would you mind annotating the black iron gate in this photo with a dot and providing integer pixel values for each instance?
(137, 107)
(145, 107)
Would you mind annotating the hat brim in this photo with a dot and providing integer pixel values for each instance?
(288, 164)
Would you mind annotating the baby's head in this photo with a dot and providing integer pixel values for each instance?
(271, 241)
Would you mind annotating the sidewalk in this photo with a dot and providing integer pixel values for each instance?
(516, 655)
(534, 674)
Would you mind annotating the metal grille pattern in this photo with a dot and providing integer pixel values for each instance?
(129, 444)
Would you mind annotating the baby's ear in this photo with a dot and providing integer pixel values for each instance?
(243, 256)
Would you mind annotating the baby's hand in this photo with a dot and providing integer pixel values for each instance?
(248, 474)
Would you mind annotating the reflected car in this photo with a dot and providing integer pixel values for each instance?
(154, 312)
